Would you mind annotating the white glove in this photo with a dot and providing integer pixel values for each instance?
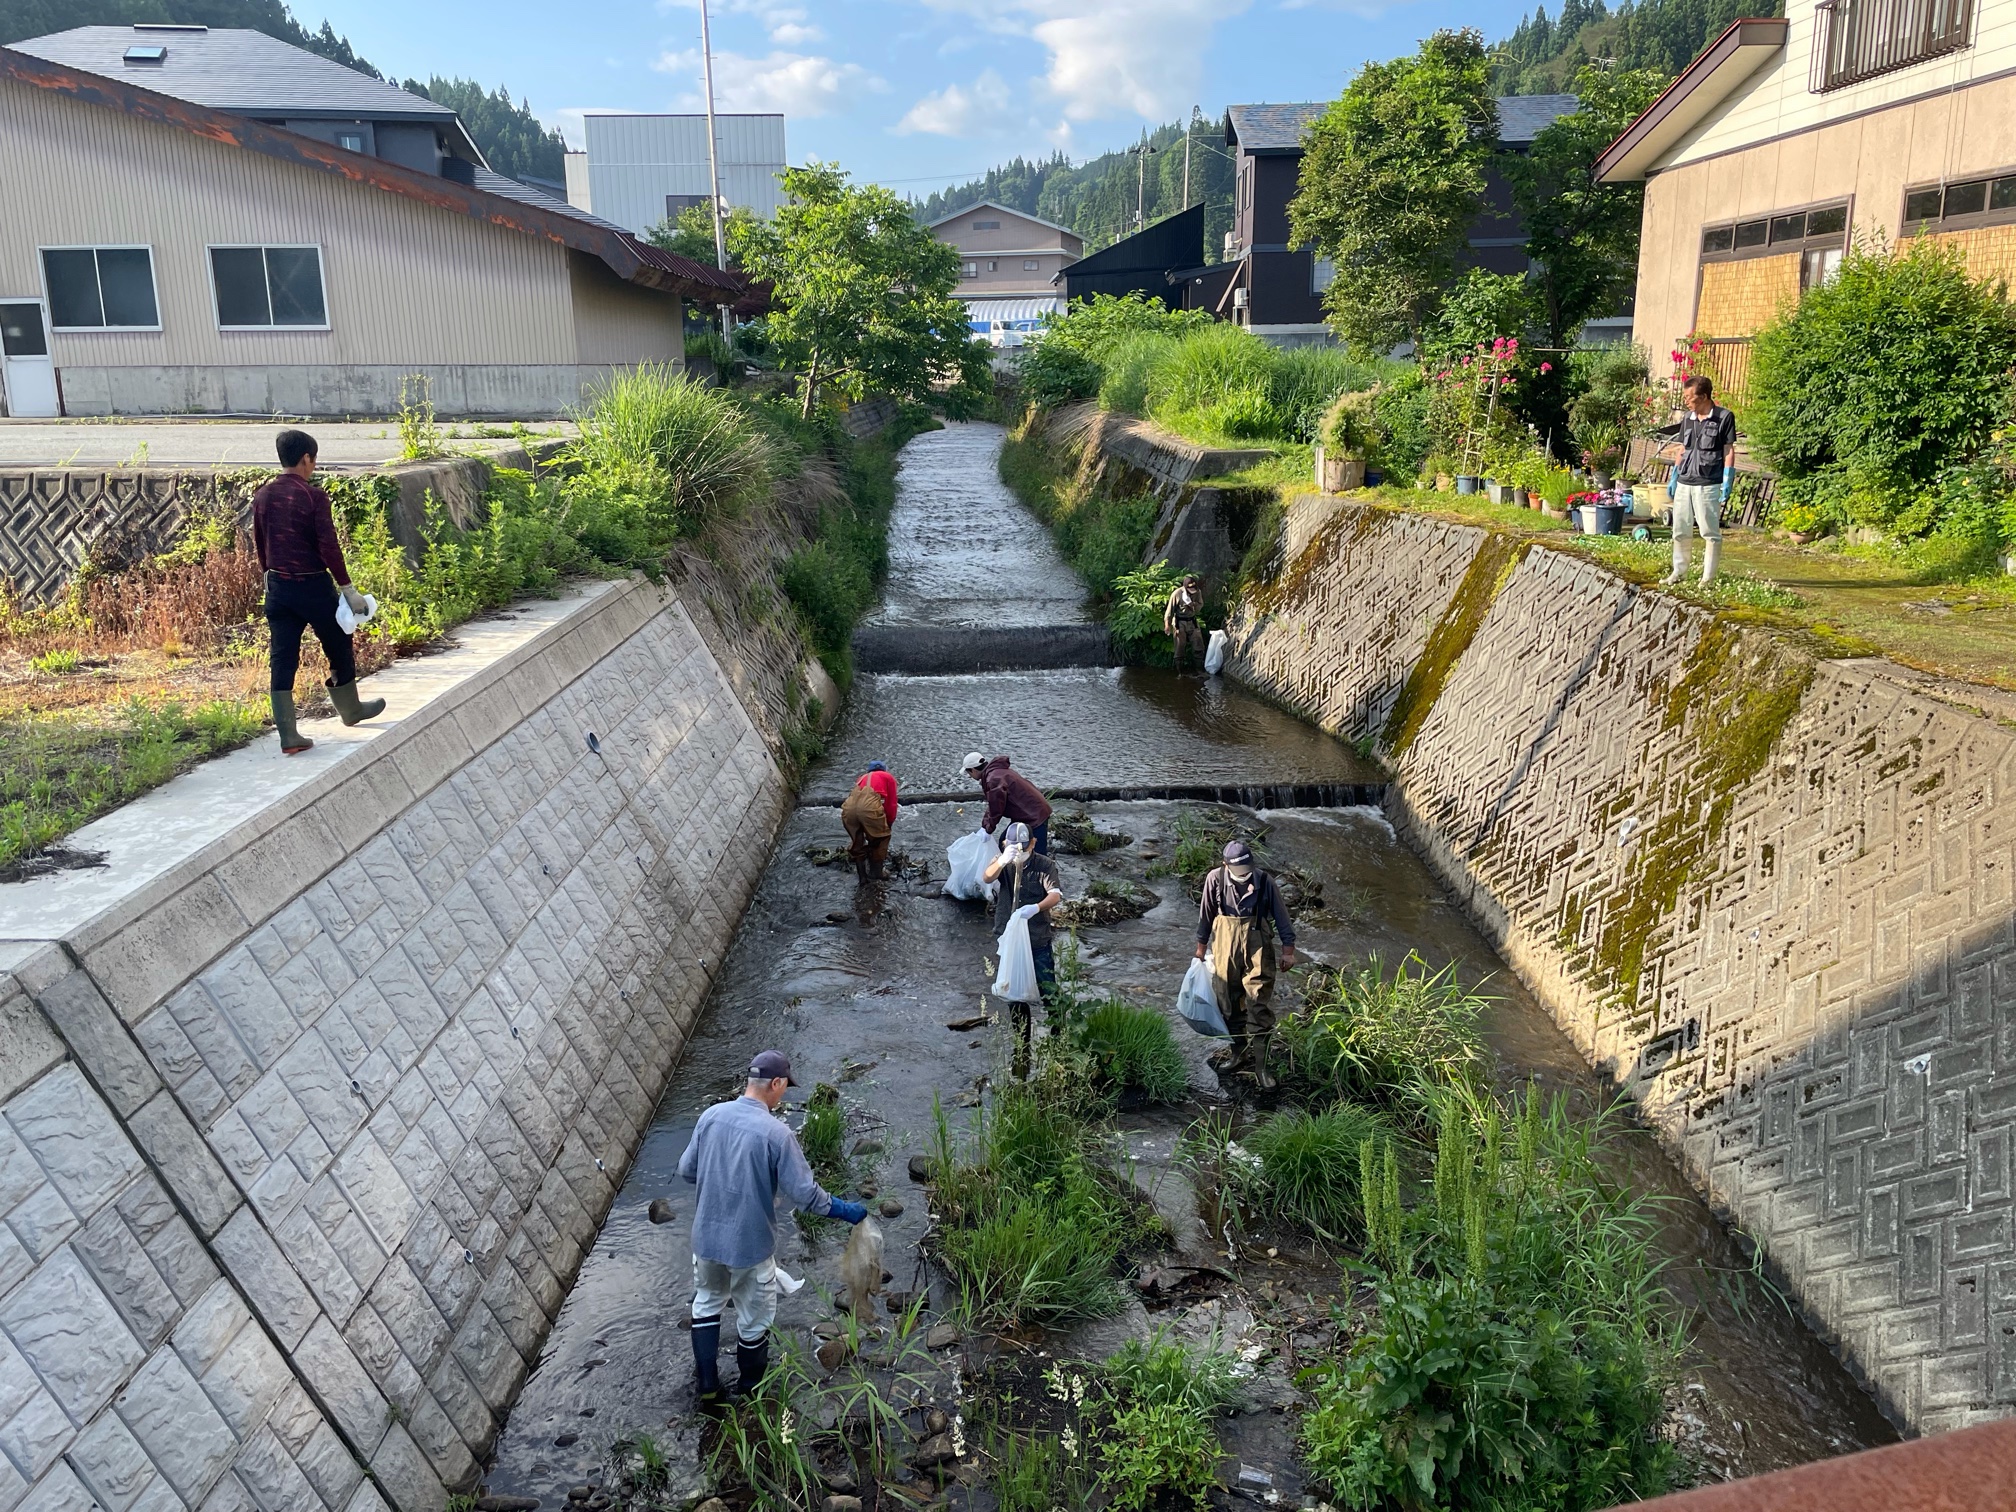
(1028, 910)
(1012, 854)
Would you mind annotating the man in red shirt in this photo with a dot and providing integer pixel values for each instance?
(294, 533)
(868, 813)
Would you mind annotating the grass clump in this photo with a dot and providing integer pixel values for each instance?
(686, 452)
(60, 773)
(1310, 1166)
(823, 1136)
(1135, 1050)
(59, 662)
(1033, 1220)
(1159, 1447)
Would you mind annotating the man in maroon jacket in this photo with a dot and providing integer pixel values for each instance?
(1010, 795)
(294, 533)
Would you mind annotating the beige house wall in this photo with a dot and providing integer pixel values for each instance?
(404, 282)
(1020, 239)
(1867, 159)
(619, 323)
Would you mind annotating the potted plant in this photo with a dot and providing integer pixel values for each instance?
(1529, 479)
(1349, 442)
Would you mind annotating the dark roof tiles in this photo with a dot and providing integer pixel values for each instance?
(1280, 128)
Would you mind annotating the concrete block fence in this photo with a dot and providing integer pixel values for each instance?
(303, 1138)
(1771, 897)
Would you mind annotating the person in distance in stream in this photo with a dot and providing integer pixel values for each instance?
(868, 812)
(1238, 918)
(1179, 618)
(294, 534)
(1010, 795)
(740, 1157)
(1031, 887)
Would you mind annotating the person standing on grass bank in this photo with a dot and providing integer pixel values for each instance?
(1179, 618)
(1702, 476)
(868, 812)
(294, 533)
(1032, 888)
(1010, 795)
(1238, 917)
(740, 1157)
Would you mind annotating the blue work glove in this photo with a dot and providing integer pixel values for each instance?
(847, 1212)
(1673, 484)
(1728, 482)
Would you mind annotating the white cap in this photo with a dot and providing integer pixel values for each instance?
(974, 760)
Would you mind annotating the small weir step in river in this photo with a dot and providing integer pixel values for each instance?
(859, 984)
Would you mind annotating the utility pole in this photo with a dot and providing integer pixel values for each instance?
(1189, 130)
(1140, 181)
(714, 169)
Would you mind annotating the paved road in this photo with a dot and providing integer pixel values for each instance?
(218, 443)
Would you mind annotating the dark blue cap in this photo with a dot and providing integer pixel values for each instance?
(770, 1065)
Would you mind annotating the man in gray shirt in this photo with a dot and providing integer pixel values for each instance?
(741, 1156)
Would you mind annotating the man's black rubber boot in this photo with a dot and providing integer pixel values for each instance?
(351, 706)
(706, 1361)
(752, 1360)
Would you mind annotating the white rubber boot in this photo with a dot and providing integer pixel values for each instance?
(1711, 558)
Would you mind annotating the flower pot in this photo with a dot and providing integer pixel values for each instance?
(1600, 519)
(1500, 493)
(1443, 483)
(1467, 484)
(1519, 497)
(1338, 474)
(1374, 477)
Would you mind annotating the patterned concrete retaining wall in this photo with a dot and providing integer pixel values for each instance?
(302, 1141)
(1771, 897)
(53, 518)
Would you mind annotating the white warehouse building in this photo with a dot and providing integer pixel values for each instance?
(642, 169)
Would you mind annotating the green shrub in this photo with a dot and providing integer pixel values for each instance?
(1160, 1447)
(1134, 621)
(1402, 412)
(1523, 1343)
(1135, 1050)
(1879, 380)
(1095, 327)
(1309, 1163)
(1053, 374)
(1307, 379)
(1218, 379)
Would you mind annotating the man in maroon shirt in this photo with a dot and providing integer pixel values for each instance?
(295, 535)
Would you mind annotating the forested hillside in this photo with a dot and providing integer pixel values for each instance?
(1096, 198)
(506, 130)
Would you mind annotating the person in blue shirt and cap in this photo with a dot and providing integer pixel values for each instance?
(741, 1156)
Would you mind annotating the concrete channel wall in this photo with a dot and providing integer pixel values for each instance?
(303, 1138)
(1771, 897)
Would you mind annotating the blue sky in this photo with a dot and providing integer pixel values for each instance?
(915, 93)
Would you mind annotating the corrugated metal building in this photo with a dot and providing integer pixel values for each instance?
(642, 169)
(162, 255)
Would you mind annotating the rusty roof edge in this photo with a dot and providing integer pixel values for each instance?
(618, 249)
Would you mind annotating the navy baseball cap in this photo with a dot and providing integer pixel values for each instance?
(769, 1065)
(1239, 853)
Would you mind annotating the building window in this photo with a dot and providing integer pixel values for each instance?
(1032, 265)
(101, 288)
(350, 141)
(993, 265)
(969, 270)
(1859, 39)
(1986, 201)
(1822, 228)
(269, 288)
(1322, 273)
(986, 225)
(1818, 266)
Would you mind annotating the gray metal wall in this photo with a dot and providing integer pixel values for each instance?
(634, 161)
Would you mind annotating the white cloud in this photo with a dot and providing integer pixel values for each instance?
(797, 84)
(787, 25)
(982, 108)
(1110, 57)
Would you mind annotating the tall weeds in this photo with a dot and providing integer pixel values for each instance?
(685, 452)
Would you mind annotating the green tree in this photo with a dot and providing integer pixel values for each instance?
(511, 138)
(1879, 379)
(21, 19)
(1582, 236)
(861, 295)
(691, 235)
(1391, 176)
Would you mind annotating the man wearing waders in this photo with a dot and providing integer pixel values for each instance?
(741, 1156)
(1029, 885)
(1238, 918)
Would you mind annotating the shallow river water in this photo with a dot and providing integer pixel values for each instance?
(859, 984)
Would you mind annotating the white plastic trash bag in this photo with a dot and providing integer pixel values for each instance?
(1016, 981)
(966, 863)
(1197, 1001)
(348, 621)
(1214, 654)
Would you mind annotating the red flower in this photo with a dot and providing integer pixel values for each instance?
(1546, 367)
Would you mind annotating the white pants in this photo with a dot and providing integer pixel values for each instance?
(1697, 506)
(752, 1288)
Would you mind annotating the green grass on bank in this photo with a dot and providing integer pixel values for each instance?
(60, 771)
